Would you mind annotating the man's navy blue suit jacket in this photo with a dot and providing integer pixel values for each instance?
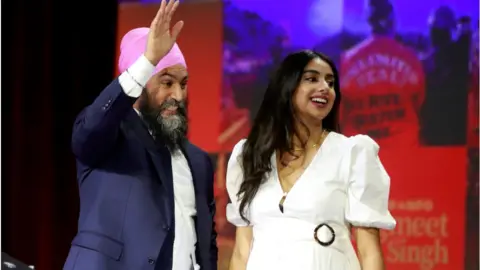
(126, 192)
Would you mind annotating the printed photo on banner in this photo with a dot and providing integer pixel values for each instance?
(406, 78)
(411, 82)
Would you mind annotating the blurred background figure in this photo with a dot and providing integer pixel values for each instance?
(234, 122)
(383, 83)
(444, 113)
(252, 46)
(472, 223)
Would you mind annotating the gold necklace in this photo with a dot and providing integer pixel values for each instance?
(284, 197)
(315, 144)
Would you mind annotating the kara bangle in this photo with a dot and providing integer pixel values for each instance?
(139, 84)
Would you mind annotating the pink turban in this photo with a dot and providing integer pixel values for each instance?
(133, 45)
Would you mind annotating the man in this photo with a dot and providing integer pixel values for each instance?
(447, 78)
(382, 84)
(146, 193)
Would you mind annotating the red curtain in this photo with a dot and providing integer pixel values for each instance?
(57, 56)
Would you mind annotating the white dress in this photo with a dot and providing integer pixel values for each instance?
(345, 184)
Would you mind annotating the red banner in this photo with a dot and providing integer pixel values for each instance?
(428, 201)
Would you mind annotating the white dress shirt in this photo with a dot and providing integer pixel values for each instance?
(185, 210)
(133, 82)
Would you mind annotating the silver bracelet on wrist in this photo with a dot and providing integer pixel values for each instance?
(139, 84)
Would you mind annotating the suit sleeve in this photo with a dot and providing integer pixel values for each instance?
(96, 128)
(212, 208)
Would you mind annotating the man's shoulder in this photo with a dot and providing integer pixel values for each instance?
(111, 91)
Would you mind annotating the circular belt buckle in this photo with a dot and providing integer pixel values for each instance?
(322, 243)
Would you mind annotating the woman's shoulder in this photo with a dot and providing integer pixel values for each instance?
(359, 139)
(355, 142)
(237, 150)
(238, 147)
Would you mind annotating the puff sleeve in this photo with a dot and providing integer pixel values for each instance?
(368, 186)
(233, 181)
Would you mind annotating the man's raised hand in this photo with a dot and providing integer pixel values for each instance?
(161, 38)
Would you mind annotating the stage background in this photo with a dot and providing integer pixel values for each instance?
(231, 48)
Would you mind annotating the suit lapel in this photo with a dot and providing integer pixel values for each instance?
(159, 155)
(203, 225)
(193, 163)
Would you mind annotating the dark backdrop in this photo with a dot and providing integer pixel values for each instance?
(56, 57)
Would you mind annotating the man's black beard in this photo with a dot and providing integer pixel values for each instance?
(170, 131)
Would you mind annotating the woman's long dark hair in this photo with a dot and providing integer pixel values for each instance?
(274, 124)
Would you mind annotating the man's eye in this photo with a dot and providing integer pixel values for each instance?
(167, 84)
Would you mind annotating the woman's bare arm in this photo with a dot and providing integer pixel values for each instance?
(369, 248)
(241, 251)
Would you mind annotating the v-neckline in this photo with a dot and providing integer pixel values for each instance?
(277, 176)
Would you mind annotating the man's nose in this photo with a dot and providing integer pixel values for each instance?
(177, 93)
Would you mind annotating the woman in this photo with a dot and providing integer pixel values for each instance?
(296, 185)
